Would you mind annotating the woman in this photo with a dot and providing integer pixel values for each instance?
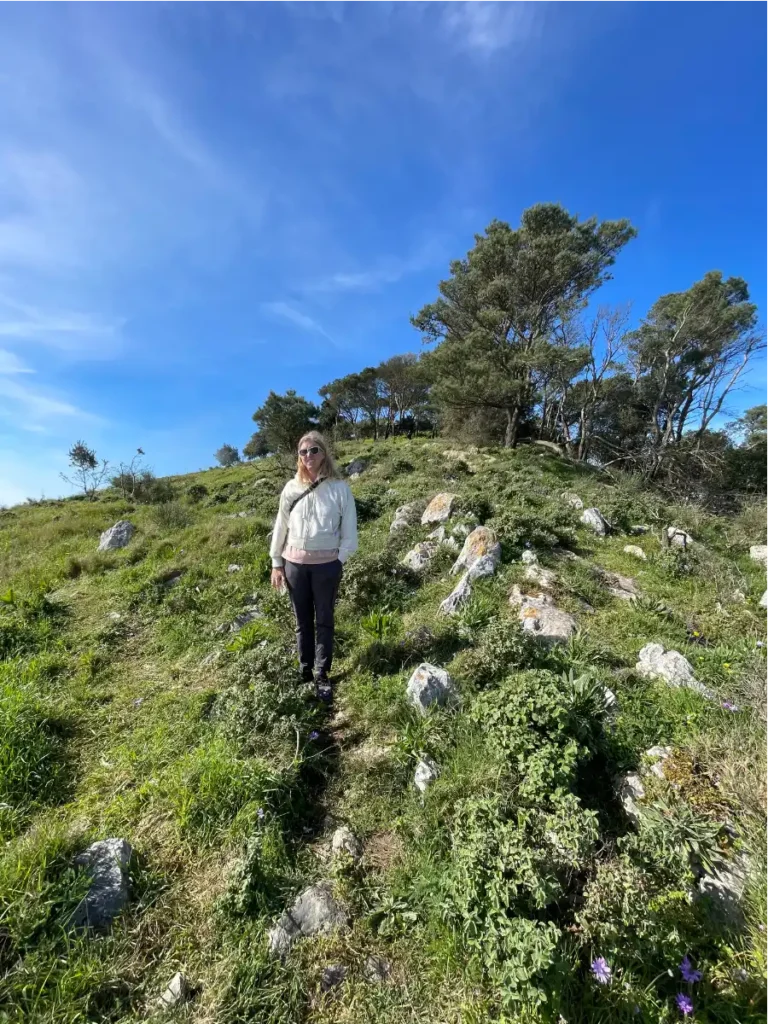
(314, 534)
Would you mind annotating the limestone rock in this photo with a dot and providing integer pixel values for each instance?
(457, 598)
(764, 600)
(116, 536)
(315, 912)
(376, 970)
(481, 543)
(418, 557)
(426, 773)
(671, 666)
(431, 685)
(544, 578)
(630, 791)
(439, 509)
(107, 861)
(540, 616)
(437, 535)
(725, 888)
(356, 467)
(244, 618)
(572, 500)
(759, 553)
(234, 567)
(677, 538)
(658, 755)
(622, 587)
(635, 550)
(345, 842)
(178, 991)
(593, 518)
(405, 516)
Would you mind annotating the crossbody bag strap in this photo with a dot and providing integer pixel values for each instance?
(296, 501)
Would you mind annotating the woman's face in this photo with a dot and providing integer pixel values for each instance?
(313, 457)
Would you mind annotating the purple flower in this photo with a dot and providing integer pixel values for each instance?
(601, 970)
(260, 814)
(684, 1003)
(729, 706)
(688, 971)
(314, 735)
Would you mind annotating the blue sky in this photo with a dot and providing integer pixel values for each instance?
(200, 203)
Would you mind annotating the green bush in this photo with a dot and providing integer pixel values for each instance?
(529, 518)
(170, 515)
(196, 493)
(499, 647)
(375, 579)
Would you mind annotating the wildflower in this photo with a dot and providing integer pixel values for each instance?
(684, 1003)
(314, 735)
(729, 705)
(260, 814)
(688, 971)
(759, 643)
(601, 970)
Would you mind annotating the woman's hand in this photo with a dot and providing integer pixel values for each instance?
(278, 579)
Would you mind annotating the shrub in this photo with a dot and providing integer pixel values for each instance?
(196, 493)
(500, 646)
(529, 517)
(170, 515)
(377, 579)
(369, 505)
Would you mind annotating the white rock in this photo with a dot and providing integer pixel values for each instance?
(593, 518)
(635, 551)
(671, 666)
(315, 912)
(418, 558)
(439, 509)
(438, 535)
(234, 567)
(457, 598)
(429, 686)
(426, 773)
(544, 578)
(345, 842)
(529, 557)
(738, 597)
(244, 619)
(542, 618)
(481, 543)
(620, 586)
(658, 755)
(677, 538)
(356, 467)
(107, 861)
(573, 500)
(116, 536)
(725, 887)
(178, 991)
(630, 790)
(764, 600)
(759, 553)
(405, 516)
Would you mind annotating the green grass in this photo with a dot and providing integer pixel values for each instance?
(126, 711)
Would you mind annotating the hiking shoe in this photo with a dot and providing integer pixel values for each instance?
(307, 676)
(323, 689)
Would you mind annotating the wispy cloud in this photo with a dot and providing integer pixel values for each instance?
(10, 363)
(284, 311)
(487, 26)
(31, 408)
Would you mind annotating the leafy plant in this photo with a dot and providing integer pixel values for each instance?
(379, 624)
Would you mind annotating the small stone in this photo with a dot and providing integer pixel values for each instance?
(107, 861)
(357, 467)
(345, 842)
(406, 516)
(529, 557)
(244, 618)
(376, 970)
(764, 600)
(671, 666)
(725, 888)
(419, 557)
(178, 991)
(638, 529)
(572, 500)
(540, 617)
(481, 543)
(635, 551)
(429, 686)
(437, 535)
(544, 578)
(333, 976)
(115, 616)
(759, 553)
(620, 586)
(116, 536)
(314, 912)
(439, 509)
(426, 773)
(658, 755)
(677, 538)
(593, 518)
(234, 567)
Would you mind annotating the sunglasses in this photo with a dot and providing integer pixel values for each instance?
(304, 452)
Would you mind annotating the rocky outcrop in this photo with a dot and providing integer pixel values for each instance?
(107, 862)
(439, 509)
(656, 663)
(315, 912)
(593, 518)
(542, 618)
(480, 543)
(431, 686)
(406, 516)
(419, 557)
(677, 538)
(485, 566)
(117, 536)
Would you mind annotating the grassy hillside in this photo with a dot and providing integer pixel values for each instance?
(130, 709)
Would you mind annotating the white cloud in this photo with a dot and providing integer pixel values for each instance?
(486, 26)
(284, 311)
(10, 363)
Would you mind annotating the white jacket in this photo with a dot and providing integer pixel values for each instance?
(325, 520)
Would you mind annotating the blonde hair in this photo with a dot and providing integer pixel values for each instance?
(328, 468)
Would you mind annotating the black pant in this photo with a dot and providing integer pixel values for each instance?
(313, 590)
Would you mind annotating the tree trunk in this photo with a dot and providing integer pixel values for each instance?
(513, 418)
